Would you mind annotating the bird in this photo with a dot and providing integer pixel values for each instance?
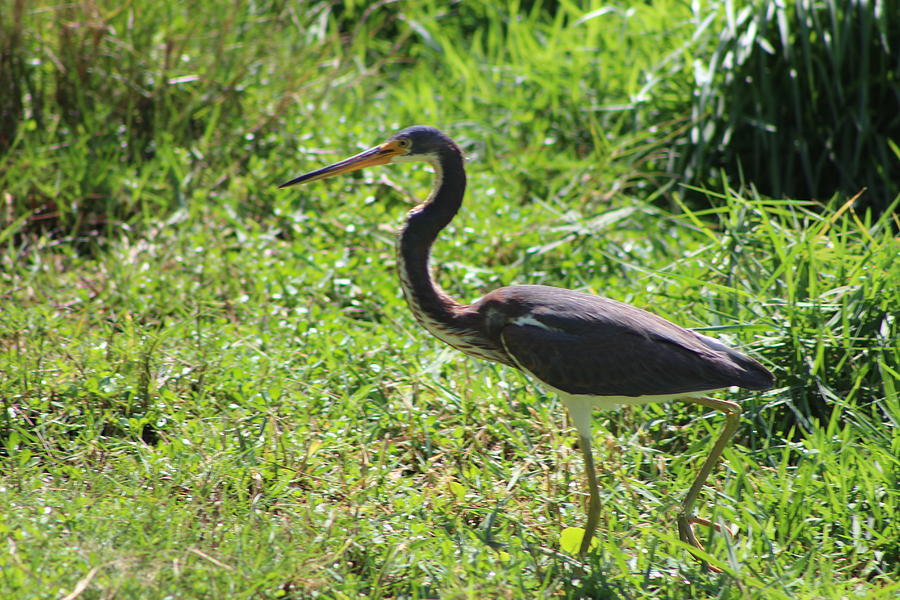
(592, 351)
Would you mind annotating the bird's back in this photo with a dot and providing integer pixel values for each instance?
(585, 344)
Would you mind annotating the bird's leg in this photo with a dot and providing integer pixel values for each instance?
(580, 413)
(685, 517)
(594, 505)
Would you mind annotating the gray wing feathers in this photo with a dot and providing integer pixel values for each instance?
(585, 344)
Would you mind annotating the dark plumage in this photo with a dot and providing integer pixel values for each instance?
(588, 344)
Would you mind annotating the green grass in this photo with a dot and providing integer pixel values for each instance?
(793, 100)
(213, 389)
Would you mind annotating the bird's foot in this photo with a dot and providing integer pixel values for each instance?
(686, 533)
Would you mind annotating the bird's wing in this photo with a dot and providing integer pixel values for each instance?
(609, 360)
(585, 344)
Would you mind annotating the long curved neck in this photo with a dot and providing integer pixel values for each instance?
(430, 304)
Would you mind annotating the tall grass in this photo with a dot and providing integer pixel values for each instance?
(141, 119)
(802, 99)
(831, 318)
(121, 119)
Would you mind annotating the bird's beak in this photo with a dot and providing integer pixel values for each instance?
(379, 155)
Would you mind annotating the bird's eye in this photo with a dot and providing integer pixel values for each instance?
(404, 143)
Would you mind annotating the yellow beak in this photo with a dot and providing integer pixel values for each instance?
(379, 155)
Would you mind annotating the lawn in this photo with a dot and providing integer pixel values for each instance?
(212, 388)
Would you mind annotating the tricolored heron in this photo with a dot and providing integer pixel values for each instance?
(592, 351)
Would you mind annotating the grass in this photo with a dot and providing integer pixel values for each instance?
(212, 388)
(792, 99)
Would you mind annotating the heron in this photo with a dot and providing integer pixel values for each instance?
(593, 352)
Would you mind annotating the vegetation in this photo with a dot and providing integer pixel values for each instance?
(212, 388)
(801, 99)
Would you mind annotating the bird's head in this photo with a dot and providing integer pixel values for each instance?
(418, 143)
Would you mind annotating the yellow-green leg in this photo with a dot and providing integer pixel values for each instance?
(594, 505)
(580, 413)
(685, 516)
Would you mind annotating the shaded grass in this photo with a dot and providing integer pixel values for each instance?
(795, 99)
